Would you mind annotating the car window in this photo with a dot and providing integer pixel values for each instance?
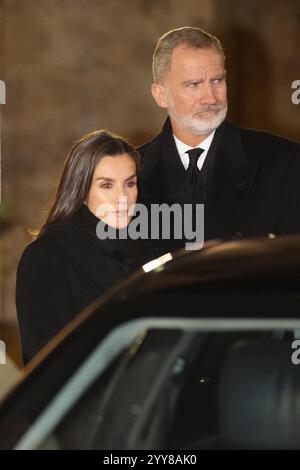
(163, 392)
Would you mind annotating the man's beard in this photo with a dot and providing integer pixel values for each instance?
(197, 124)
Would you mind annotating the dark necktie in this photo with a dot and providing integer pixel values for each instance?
(193, 171)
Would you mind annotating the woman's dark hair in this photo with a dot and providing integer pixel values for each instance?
(78, 172)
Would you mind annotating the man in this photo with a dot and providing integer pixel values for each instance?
(248, 181)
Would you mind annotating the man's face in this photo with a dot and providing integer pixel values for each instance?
(194, 91)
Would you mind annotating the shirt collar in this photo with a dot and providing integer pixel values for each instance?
(182, 148)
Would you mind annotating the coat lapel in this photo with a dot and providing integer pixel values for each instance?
(230, 185)
(173, 171)
(94, 257)
(162, 173)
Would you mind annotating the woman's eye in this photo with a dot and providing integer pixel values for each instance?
(131, 184)
(105, 186)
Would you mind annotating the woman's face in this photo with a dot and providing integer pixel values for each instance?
(113, 190)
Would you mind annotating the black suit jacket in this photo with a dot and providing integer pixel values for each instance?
(60, 273)
(253, 187)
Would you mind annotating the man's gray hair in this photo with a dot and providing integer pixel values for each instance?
(191, 37)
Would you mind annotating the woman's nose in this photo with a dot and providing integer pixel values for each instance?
(121, 196)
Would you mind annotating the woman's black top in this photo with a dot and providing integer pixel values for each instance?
(64, 270)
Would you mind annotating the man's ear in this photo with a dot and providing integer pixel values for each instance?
(159, 94)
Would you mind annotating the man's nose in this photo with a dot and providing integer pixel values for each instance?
(208, 95)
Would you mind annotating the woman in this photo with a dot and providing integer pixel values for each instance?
(68, 265)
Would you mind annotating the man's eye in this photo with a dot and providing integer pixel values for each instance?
(192, 84)
(218, 80)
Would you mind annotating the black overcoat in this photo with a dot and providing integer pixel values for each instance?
(252, 185)
(63, 271)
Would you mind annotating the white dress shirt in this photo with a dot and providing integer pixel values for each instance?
(183, 148)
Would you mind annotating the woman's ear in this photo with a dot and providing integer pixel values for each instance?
(159, 94)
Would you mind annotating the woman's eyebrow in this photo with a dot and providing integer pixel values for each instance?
(130, 177)
(104, 178)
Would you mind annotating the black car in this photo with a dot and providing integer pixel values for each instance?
(199, 350)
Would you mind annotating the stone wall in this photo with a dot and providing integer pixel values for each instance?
(71, 66)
